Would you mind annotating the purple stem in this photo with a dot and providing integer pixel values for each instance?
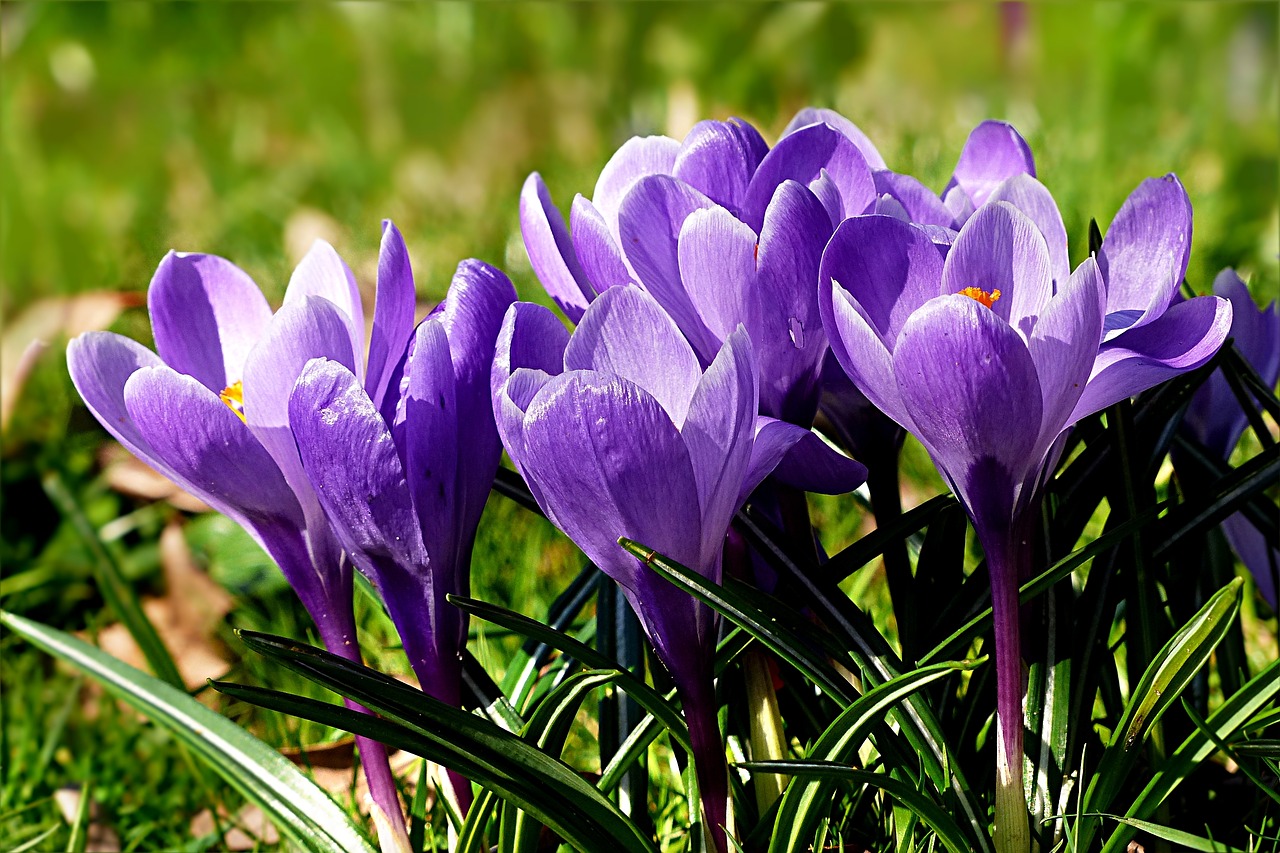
(697, 696)
(440, 677)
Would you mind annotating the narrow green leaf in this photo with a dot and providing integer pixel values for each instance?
(873, 545)
(300, 810)
(471, 836)
(1184, 840)
(79, 839)
(117, 591)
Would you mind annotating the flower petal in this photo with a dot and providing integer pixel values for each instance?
(920, 203)
(969, 384)
(596, 248)
(323, 273)
(718, 158)
(1185, 337)
(1260, 557)
(551, 253)
(393, 311)
(993, 152)
(801, 459)
(1144, 255)
(860, 351)
(1256, 332)
(999, 248)
(626, 333)
(811, 115)
(802, 156)
(717, 256)
(530, 336)
(100, 363)
(638, 157)
(1034, 201)
(1065, 343)
(206, 314)
(650, 221)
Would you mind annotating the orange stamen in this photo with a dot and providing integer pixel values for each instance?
(233, 396)
(977, 294)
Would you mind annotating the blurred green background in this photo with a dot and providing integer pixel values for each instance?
(249, 129)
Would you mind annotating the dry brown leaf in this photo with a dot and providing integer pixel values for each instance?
(130, 476)
(99, 836)
(248, 829)
(44, 321)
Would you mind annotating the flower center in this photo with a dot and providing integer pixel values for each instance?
(233, 396)
(979, 295)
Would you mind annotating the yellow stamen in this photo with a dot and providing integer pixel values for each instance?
(233, 396)
(977, 294)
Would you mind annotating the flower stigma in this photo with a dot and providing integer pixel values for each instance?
(979, 295)
(233, 396)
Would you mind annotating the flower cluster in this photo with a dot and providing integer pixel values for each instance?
(722, 292)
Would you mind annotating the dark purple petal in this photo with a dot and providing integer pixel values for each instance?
(551, 253)
(970, 386)
(1144, 255)
(718, 159)
(597, 249)
(530, 336)
(1185, 337)
(718, 434)
(807, 462)
(626, 333)
(993, 153)
(638, 157)
(1034, 201)
(100, 363)
(888, 267)
(392, 312)
(650, 221)
(323, 273)
(1065, 343)
(999, 248)
(921, 204)
(802, 156)
(811, 115)
(206, 314)
(1259, 556)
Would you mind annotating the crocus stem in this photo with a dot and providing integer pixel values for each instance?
(1006, 550)
(697, 696)
(338, 632)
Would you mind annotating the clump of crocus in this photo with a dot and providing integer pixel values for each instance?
(988, 355)
(209, 410)
(620, 432)
(1216, 419)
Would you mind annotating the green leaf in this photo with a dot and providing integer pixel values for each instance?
(474, 746)
(805, 800)
(874, 544)
(1184, 840)
(300, 810)
(929, 812)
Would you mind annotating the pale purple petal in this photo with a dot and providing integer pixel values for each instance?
(650, 221)
(1144, 255)
(717, 256)
(999, 248)
(826, 191)
(1033, 200)
(806, 462)
(969, 383)
(206, 314)
(625, 332)
(812, 115)
(887, 205)
(597, 249)
(1065, 343)
(718, 434)
(100, 363)
(888, 267)
(551, 252)
(802, 156)
(958, 204)
(1185, 337)
(638, 157)
(323, 273)
(393, 311)
(921, 204)
(993, 153)
(718, 158)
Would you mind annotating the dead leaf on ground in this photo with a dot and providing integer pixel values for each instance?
(248, 829)
(129, 475)
(99, 836)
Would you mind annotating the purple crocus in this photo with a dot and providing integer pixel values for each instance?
(722, 232)
(620, 431)
(988, 358)
(1216, 419)
(209, 410)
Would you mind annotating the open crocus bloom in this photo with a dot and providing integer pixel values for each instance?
(619, 431)
(209, 410)
(988, 360)
(722, 232)
(1217, 421)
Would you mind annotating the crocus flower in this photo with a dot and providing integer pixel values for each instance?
(1216, 420)
(722, 232)
(619, 431)
(209, 410)
(988, 361)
